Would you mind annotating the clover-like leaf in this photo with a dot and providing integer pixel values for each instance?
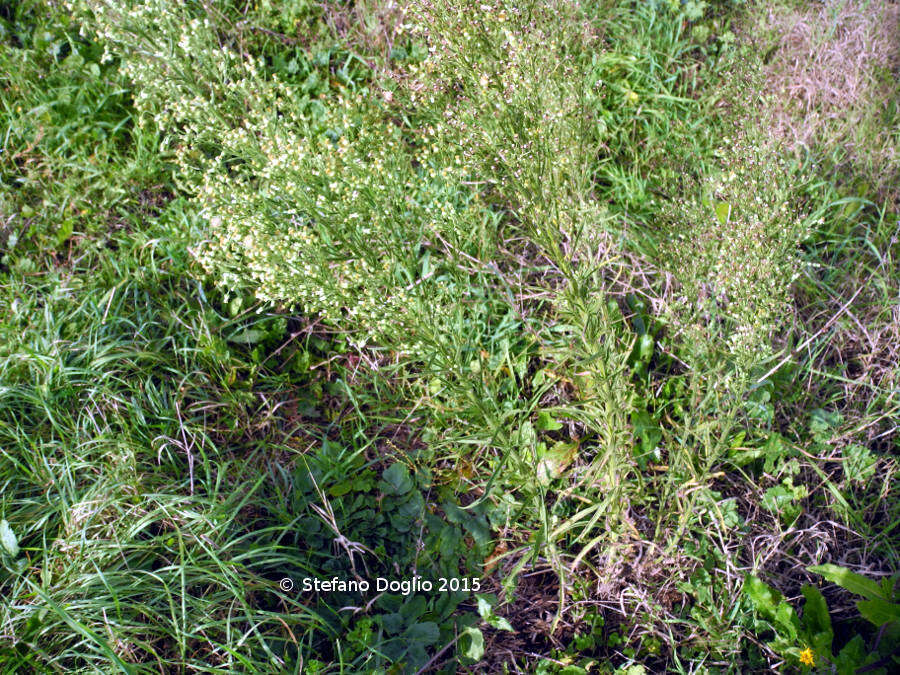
(395, 480)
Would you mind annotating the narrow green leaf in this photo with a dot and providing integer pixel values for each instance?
(90, 636)
(851, 581)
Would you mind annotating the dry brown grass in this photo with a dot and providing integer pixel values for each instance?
(370, 25)
(866, 348)
(833, 76)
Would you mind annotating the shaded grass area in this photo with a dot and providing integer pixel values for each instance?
(574, 425)
(161, 479)
(115, 413)
(71, 163)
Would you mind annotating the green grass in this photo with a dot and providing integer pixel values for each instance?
(605, 349)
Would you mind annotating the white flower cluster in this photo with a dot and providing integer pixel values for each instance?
(736, 254)
(325, 206)
(506, 89)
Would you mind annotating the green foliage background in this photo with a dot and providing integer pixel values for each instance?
(498, 291)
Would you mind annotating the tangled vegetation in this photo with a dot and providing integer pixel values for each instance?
(550, 336)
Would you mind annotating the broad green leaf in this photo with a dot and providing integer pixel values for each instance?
(852, 655)
(8, 540)
(527, 434)
(647, 434)
(426, 632)
(775, 451)
(248, 336)
(859, 463)
(879, 612)
(546, 423)
(822, 422)
(815, 611)
(500, 623)
(780, 499)
(765, 599)
(786, 617)
(485, 606)
(723, 212)
(851, 581)
(486, 611)
(417, 638)
(342, 488)
(771, 605)
(395, 480)
(393, 623)
(646, 347)
(413, 608)
(473, 647)
(407, 513)
(65, 231)
(730, 516)
(554, 461)
(816, 620)
(635, 670)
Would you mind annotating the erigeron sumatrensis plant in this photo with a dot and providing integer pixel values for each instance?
(736, 255)
(505, 82)
(513, 85)
(328, 207)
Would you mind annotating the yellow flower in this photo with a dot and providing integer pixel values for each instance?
(806, 657)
